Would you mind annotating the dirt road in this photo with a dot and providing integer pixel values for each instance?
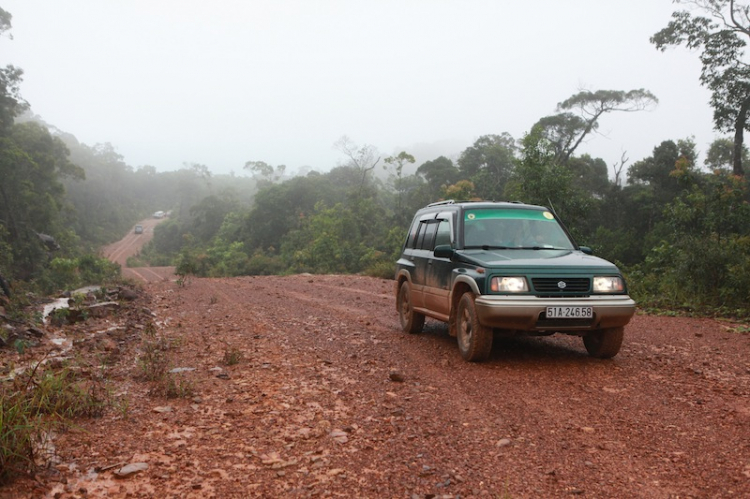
(129, 246)
(331, 399)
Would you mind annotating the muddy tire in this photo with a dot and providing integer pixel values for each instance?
(474, 339)
(604, 343)
(411, 321)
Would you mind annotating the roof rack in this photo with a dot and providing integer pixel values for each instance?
(438, 203)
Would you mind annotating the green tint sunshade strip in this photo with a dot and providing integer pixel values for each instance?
(512, 214)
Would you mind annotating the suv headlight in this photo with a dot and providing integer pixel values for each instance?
(509, 284)
(608, 284)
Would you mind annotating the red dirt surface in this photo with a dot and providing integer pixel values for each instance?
(330, 399)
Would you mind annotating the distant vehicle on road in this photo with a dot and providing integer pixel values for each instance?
(138, 229)
(159, 214)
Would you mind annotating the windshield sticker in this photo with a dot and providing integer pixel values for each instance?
(513, 214)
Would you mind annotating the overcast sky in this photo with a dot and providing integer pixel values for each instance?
(220, 83)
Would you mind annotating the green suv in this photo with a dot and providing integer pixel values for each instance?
(507, 268)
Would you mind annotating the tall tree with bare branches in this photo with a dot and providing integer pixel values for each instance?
(720, 35)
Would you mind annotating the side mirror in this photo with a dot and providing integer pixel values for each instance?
(444, 251)
(586, 250)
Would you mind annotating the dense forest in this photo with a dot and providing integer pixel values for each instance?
(678, 228)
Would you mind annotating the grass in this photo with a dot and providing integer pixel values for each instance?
(33, 405)
(174, 386)
(154, 363)
(44, 400)
(232, 356)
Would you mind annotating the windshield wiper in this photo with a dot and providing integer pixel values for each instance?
(487, 247)
(543, 247)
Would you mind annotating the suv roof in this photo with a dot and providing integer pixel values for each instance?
(448, 204)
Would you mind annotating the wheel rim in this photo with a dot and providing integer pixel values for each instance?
(405, 306)
(464, 330)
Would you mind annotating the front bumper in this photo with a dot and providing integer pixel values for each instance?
(528, 313)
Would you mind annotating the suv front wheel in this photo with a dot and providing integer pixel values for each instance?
(411, 321)
(604, 343)
(474, 339)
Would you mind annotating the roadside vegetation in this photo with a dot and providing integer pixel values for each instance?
(36, 404)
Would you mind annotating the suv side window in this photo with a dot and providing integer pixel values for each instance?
(411, 241)
(443, 235)
(427, 231)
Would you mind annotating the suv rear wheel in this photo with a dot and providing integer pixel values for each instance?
(604, 343)
(411, 321)
(474, 339)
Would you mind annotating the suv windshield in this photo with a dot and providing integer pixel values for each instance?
(510, 228)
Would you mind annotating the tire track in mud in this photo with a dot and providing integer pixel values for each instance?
(148, 274)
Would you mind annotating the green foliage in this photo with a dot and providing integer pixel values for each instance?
(263, 264)
(72, 273)
(702, 265)
(439, 173)
(175, 386)
(281, 208)
(228, 259)
(539, 179)
(32, 199)
(33, 406)
(153, 359)
(616, 245)
(489, 164)
(696, 275)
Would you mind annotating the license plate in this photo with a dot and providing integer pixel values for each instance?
(570, 312)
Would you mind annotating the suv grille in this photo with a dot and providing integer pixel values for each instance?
(561, 285)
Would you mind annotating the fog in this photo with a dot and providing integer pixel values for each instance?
(170, 82)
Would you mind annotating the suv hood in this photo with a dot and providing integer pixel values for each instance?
(529, 258)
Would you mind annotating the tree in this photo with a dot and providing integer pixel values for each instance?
(265, 173)
(280, 208)
(32, 198)
(5, 21)
(489, 164)
(11, 103)
(657, 170)
(364, 158)
(397, 163)
(209, 213)
(590, 174)
(539, 179)
(720, 155)
(654, 183)
(566, 131)
(439, 173)
(721, 39)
